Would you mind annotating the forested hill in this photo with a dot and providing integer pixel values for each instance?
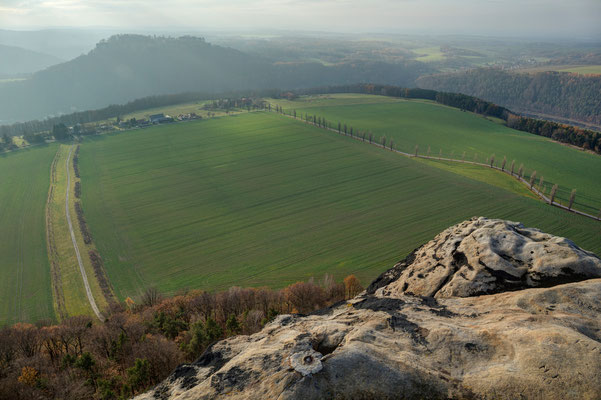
(126, 67)
(558, 94)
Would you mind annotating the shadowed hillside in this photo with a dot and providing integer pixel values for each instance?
(126, 67)
(562, 95)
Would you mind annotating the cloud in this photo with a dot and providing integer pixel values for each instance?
(555, 17)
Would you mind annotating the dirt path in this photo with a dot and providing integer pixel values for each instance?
(79, 260)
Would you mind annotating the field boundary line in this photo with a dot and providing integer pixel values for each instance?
(409, 155)
(76, 247)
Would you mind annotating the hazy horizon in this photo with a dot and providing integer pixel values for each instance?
(540, 19)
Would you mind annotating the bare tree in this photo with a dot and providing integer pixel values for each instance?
(27, 339)
(492, 160)
(383, 141)
(541, 182)
(512, 166)
(532, 178)
(204, 304)
(352, 286)
(521, 171)
(151, 297)
(416, 148)
(552, 195)
(8, 349)
(504, 162)
(305, 296)
(572, 197)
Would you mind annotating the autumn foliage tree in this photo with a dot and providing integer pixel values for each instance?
(352, 286)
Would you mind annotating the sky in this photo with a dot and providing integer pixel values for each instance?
(540, 18)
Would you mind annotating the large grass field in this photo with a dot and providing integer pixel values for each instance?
(261, 199)
(427, 124)
(25, 293)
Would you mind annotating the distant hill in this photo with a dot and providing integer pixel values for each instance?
(65, 43)
(559, 94)
(126, 67)
(16, 61)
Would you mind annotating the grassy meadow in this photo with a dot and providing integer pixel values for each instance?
(576, 69)
(427, 124)
(429, 54)
(583, 69)
(25, 292)
(261, 199)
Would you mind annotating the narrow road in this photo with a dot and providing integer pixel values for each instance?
(81, 268)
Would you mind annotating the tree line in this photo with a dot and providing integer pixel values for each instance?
(584, 138)
(143, 341)
(541, 187)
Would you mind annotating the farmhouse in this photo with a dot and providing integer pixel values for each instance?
(160, 118)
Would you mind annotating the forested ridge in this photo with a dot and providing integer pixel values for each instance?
(561, 94)
(126, 67)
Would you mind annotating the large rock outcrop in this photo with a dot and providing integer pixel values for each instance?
(487, 310)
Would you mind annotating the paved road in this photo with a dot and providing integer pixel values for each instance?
(81, 268)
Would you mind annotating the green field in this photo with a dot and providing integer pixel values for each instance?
(424, 123)
(25, 293)
(577, 69)
(583, 69)
(261, 199)
(429, 54)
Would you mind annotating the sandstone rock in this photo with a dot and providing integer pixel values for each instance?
(485, 256)
(445, 340)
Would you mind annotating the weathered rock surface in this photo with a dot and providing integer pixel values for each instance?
(511, 328)
(486, 256)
